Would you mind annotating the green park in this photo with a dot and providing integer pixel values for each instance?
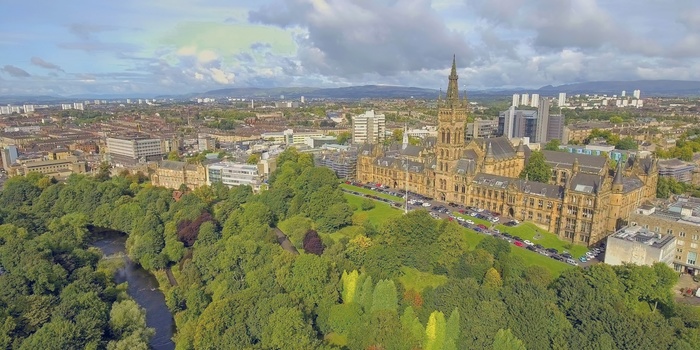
(364, 275)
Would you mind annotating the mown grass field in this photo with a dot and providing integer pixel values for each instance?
(380, 213)
(375, 193)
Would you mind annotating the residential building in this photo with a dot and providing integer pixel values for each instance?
(234, 174)
(584, 201)
(9, 156)
(206, 143)
(556, 128)
(542, 122)
(681, 220)
(60, 168)
(289, 137)
(173, 174)
(677, 169)
(131, 150)
(535, 100)
(525, 99)
(516, 100)
(482, 129)
(640, 246)
(637, 94)
(562, 99)
(516, 123)
(368, 128)
(343, 163)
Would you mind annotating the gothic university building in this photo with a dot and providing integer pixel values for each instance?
(584, 202)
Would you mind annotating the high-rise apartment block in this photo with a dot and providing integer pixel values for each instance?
(368, 128)
(562, 99)
(516, 100)
(637, 94)
(525, 99)
(132, 150)
(535, 100)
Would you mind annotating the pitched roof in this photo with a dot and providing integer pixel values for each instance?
(587, 183)
(587, 163)
(500, 146)
(530, 187)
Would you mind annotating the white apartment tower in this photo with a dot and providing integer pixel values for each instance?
(368, 128)
(535, 100)
(562, 99)
(637, 94)
(542, 121)
(525, 99)
(516, 100)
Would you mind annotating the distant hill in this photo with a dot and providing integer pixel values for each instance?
(648, 88)
(350, 92)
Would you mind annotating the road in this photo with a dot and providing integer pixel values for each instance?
(284, 241)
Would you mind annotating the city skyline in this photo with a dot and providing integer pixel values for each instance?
(177, 46)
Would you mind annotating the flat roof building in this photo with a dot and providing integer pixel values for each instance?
(132, 150)
(641, 246)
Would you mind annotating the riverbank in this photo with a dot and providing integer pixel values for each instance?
(142, 286)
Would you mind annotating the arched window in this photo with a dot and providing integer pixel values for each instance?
(448, 137)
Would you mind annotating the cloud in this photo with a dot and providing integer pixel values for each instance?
(37, 61)
(119, 48)
(85, 31)
(15, 71)
(343, 38)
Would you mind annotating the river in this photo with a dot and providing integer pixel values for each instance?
(143, 288)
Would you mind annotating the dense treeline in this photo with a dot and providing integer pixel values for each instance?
(55, 292)
(350, 288)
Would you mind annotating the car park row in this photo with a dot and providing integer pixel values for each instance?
(439, 211)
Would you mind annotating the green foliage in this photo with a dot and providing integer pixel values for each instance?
(537, 169)
(254, 158)
(626, 143)
(552, 145)
(367, 204)
(384, 296)
(343, 137)
(505, 340)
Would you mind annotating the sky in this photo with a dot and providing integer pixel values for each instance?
(74, 47)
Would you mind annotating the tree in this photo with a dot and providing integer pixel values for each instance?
(254, 158)
(505, 340)
(616, 120)
(537, 168)
(626, 143)
(367, 204)
(287, 329)
(103, 172)
(343, 137)
(174, 156)
(313, 243)
(553, 145)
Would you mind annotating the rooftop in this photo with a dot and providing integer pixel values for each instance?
(644, 236)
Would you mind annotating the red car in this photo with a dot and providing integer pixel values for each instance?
(481, 226)
(519, 244)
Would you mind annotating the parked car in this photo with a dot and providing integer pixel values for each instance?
(518, 243)
(426, 204)
(528, 242)
(571, 262)
(582, 259)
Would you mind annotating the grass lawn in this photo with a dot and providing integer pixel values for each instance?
(527, 230)
(532, 258)
(378, 215)
(383, 212)
(418, 281)
(366, 191)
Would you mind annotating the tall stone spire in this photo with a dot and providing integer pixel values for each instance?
(453, 86)
(405, 136)
(617, 180)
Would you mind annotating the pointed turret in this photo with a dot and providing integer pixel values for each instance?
(453, 86)
(617, 183)
(575, 167)
(521, 148)
(405, 136)
(489, 151)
